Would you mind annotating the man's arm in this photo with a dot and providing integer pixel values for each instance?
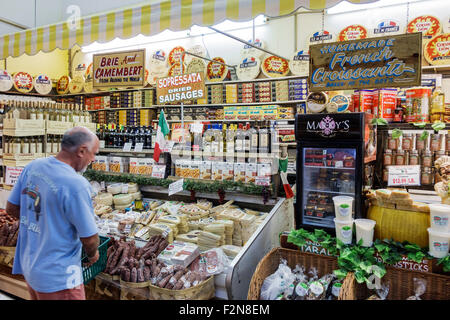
(13, 210)
(90, 245)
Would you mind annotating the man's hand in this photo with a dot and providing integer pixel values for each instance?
(93, 259)
(90, 245)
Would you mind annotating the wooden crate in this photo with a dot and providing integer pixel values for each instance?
(57, 127)
(91, 126)
(23, 132)
(23, 124)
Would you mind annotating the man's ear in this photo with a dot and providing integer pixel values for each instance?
(82, 151)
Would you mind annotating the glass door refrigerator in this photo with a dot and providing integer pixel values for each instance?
(332, 152)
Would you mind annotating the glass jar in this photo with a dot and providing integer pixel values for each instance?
(414, 158)
(426, 177)
(420, 144)
(435, 142)
(387, 157)
(400, 158)
(407, 141)
(427, 159)
(392, 143)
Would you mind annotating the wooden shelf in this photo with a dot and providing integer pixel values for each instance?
(436, 69)
(408, 126)
(118, 150)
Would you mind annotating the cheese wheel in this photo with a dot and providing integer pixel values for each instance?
(23, 82)
(76, 84)
(198, 50)
(88, 86)
(316, 102)
(437, 50)
(104, 198)
(175, 55)
(429, 26)
(216, 71)
(136, 195)
(275, 67)
(251, 51)
(341, 101)
(122, 199)
(6, 81)
(299, 64)
(248, 68)
(42, 84)
(196, 66)
(170, 219)
(353, 32)
(123, 206)
(62, 86)
(133, 187)
(115, 188)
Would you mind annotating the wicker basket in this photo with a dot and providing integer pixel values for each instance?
(401, 286)
(7, 256)
(269, 264)
(106, 285)
(203, 291)
(133, 290)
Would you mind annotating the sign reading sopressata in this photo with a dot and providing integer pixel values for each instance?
(179, 88)
(119, 69)
(393, 61)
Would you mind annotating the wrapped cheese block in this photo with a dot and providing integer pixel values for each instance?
(121, 199)
(123, 206)
(231, 251)
(115, 188)
(6, 81)
(104, 198)
(133, 187)
(136, 195)
(42, 84)
(192, 238)
(161, 229)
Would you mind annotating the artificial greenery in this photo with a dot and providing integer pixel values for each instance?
(301, 236)
(420, 124)
(190, 185)
(392, 251)
(424, 135)
(397, 133)
(445, 263)
(437, 126)
(379, 122)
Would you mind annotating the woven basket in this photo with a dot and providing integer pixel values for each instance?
(105, 285)
(133, 290)
(401, 285)
(203, 291)
(7, 256)
(269, 264)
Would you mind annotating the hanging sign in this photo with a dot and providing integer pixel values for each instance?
(12, 175)
(181, 87)
(403, 176)
(119, 69)
(393, 61)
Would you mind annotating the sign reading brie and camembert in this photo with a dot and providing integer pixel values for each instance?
(119, 69)
(392, 61)
(180, 88)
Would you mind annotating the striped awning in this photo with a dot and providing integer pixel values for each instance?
(175, 15)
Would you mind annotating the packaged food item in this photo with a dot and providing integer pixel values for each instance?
(264, 174)
(420, 286)
(158, 171)
(217, 170)
(418, 104)
(228, 172)
(205, 170)
(251, 172)
(381, 293)
(239, 172)
(100, 163)
(275, 284)
(118, 164)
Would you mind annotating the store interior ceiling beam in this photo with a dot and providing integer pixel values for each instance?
(204, 58)
(14, 24)
(247, 43)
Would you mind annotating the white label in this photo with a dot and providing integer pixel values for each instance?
(404, 176)
(168, 146)
(197, 128)
(339, 164)
(139, 146)
(127, 146)
(316, 288)
(176, 186)
(102, 185)
(125, 188)
(12, 174)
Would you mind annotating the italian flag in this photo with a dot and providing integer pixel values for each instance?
(163, 130)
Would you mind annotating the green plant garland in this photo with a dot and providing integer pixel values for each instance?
(190, 185)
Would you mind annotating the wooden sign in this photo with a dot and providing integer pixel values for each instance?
(119, 69)
(180, 88)
(393, 61)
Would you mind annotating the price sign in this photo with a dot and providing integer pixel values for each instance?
(127, 146)
(12, 175)
(197, 127)
(168, 146)
(139, 146)
(403, 176)
(175, 187)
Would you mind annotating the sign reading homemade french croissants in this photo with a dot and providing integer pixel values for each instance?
(393, 61)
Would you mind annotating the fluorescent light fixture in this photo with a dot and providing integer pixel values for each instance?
(141, 41)
(345, 6)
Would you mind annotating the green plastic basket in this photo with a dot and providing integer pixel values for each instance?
(92, 271)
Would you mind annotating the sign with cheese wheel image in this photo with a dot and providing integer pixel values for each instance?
(429, 26)
(437, 50)
(353, 32)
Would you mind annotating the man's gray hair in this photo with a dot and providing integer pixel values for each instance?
(76, 137)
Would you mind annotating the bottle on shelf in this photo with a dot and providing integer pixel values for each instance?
(16, 146)
(76, 114)
(31, 107)
(39, 111)
(239, 144)
(25, 145)
(230, 145)
(437, 105)
(263, 147)
(6, 145)
(33, 145)
(154, 130)
(207, 142)
(39, 147)
(18, 111)
(197, 144)
(252, 133)
(87, 115)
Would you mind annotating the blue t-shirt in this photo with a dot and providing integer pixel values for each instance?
(55, 211)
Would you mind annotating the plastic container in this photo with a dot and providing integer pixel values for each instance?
(439, 217)
(438, 243)
(344, 230)
(365, 230)
(89, 273)
(343, 207)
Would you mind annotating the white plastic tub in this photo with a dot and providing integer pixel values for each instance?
(364, 230)
(438, 242)
(344, 230)
(343, 207)
(439, 217)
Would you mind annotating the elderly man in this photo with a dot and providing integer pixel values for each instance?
(53, 203)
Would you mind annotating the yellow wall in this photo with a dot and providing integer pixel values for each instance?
(53, 64)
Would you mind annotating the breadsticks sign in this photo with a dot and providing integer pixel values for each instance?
(119, 69)
(189, 86)
(393, 61)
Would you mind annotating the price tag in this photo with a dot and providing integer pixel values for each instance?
(175, 187)
(127, 146)
(168, 146)
(403, 176)
(102, 185)
(12, 175)
(139, 146)
(339, 164)
(197, 127)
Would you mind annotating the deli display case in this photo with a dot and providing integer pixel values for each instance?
(335, 155)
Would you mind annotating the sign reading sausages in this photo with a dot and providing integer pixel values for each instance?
(178, 88)
(393, 61)
(119, 69)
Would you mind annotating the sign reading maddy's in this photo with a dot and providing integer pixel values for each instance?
(189, 86)
(119, 69)
(393, 61)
